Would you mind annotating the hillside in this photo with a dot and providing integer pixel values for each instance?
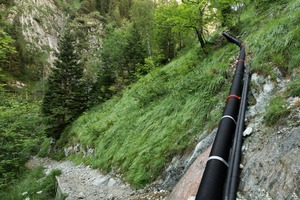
(154, 95)
(143, 128)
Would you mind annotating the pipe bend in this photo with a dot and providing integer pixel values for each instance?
(232, 39)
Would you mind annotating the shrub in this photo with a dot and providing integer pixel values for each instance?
(34, 185)
(20, 131)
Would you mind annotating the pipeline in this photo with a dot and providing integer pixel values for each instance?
(231, 184)
(215, 173)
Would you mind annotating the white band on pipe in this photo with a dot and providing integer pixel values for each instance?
(218, 158)
(228, 116)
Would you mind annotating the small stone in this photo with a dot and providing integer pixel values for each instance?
(24, 193)
(111, 182)
(100, 180)
(241, 166)
(192, 198)
(81, 195)
(27, 198)
(39, 192)
(247, 132)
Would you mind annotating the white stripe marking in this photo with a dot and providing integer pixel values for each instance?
(228, 116)
(218, 158)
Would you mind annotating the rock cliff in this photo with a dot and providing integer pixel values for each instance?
(41, 22)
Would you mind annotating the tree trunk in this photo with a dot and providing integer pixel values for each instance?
(199, 30)
(200, 39)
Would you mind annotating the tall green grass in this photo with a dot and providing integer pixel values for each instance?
(276, 110)
(294, 86)
(273, 37)
(138, 133)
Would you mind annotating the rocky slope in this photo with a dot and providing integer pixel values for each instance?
(270, 167)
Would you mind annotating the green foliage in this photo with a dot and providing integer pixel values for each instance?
(122, 54)
(6, 46)
(87, 6)
(294, 87)
(44, 148)
(276, 110)
(139, 132)
(165, 38)
(102, 6)
(181, 19)
(21, 132)
(35, 184)
(142, 16)
(64, 99)
(280, 44)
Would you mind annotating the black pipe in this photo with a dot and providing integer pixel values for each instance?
(212, 183)
(231, 184)
(232, 39)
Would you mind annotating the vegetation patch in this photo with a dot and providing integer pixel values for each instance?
(156, 118)
(276, 110)
(273, 36)
(294, 87)
(21, 132)
(34, 185)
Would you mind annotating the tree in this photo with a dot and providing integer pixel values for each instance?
(64, 99)
(185, 17)
(6, 46)
(142, 15)
(102, 6)
(229, 11)
(135, 53)
(21, 132)
(122, 54)
(194, 15)
(165, 37)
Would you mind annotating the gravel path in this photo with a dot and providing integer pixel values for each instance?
(83, 182)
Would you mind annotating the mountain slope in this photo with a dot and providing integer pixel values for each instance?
(140, 130)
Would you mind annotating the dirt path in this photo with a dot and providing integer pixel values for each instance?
(83, 182)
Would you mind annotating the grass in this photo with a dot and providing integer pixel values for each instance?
(273, 37)
(294, 87)
(138, 133)
(276, 110)
(35, 185)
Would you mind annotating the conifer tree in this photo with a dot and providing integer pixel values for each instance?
(64, 99)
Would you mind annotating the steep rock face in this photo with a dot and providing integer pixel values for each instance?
(41, 22)
(270, 157)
